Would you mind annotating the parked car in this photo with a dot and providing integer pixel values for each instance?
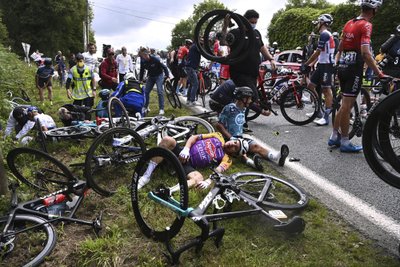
(289, 59)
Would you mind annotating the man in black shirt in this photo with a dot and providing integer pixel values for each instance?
(245, 72)
(391, 48)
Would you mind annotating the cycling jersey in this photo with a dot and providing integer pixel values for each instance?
(356, 32)
(45, 121)
(207, 149)
(183, 51)
(233, 118)
(326, 45)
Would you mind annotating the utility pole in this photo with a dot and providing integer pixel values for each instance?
(87, 22)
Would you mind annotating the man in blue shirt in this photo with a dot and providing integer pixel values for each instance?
(192, 64)
(155, 75)
(231, 122)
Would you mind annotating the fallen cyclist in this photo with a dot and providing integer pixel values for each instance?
(230, 124)
(200, 151)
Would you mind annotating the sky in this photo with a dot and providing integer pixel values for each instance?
(135, 23)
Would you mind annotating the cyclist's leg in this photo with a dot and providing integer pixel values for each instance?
(160, 91)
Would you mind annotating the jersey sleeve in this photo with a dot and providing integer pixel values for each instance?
(211, 135)
(366, 32)
(223, 118)
(323, 39)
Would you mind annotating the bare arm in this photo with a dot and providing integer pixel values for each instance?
(313, 57)
(221, 128)
(264, 51)
(369, 60)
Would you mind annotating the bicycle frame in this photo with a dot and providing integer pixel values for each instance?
(224, 186)
(26, 208)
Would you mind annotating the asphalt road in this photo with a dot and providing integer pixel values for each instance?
(343, 182)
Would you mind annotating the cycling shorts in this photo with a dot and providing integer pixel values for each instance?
(323, 75)
(224, 72)
(44, 82)
(350, 73)
(187, 167)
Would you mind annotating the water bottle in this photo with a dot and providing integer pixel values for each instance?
(48, 201)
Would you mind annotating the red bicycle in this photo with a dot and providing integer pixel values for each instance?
(289, 92)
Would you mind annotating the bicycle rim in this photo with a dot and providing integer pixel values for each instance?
(296, 103)
(27, 248)
(194, 124)
(156, 220)
(280, 195)
(38, 169)
(69, 131)
(170, 94)
(251, 114)
(111, 158)
(117, 114)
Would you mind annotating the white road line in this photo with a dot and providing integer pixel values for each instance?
(364, 209)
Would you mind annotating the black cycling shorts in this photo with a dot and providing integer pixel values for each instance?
(350, 78)
(44, 82)
(187, 167)
(323, 75)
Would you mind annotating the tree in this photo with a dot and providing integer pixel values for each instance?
(47, 25)
(3, 177)
(3, 32)
(319, 4)
(185, 28)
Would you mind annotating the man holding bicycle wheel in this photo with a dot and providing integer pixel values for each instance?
(354, 51)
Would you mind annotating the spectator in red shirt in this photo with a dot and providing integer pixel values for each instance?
(109, 71)
(183, 51)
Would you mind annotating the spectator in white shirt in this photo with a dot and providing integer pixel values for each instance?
(125, 63)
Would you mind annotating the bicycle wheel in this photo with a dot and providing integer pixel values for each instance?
(280, 194)
(296, 103)
(251, 114)
(117, 114)
(379, 162)
(111, 158)
(170, 94)
(69, 131)
(195, 126)
(178, 101)
(39, 170)
(21, 246)
(157, 220)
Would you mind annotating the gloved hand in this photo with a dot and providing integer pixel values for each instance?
(185, 154)
(204, 184)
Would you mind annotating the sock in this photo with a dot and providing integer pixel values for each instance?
(250, 162)
(150, 169)
(334, 135)
(344, 141)
(174, 189)
(326, 115)
(274, 155)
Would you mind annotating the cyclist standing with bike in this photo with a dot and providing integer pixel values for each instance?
(323, 75)
(44, 75)
(390, 64)
(354, 51)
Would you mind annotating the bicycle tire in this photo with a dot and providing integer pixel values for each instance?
(39, 170)
(389, 132)
(178, 101)
(356, 128)
(280, 195)
(170, 94)
(109, 157)
(376, 163)
(294, 108)
(155, 220)
(114, 108)
(45, 245)
(189, 121)
(251, 114)
(69, 131)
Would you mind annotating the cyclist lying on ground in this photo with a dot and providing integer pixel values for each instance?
(199, 151)
(72, 114)
(23, 120)
(230, 124)
(130, 92)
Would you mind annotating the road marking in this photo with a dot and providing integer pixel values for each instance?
(361, 207)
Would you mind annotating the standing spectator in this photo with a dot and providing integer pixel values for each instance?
(192, 64)
(155, 70)
(109, 71)
(125, 63)
(183, 51)
(84, 85)
(44, 74)
(90, 58)
(172, 64)
(71, 61)
(323, 75)
(60, 61)
(354, 51)
(245, 72)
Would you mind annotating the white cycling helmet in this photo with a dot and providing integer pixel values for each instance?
(371, 3)
(129, 76)
(326, 19)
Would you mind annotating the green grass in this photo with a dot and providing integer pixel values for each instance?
(249, 241)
